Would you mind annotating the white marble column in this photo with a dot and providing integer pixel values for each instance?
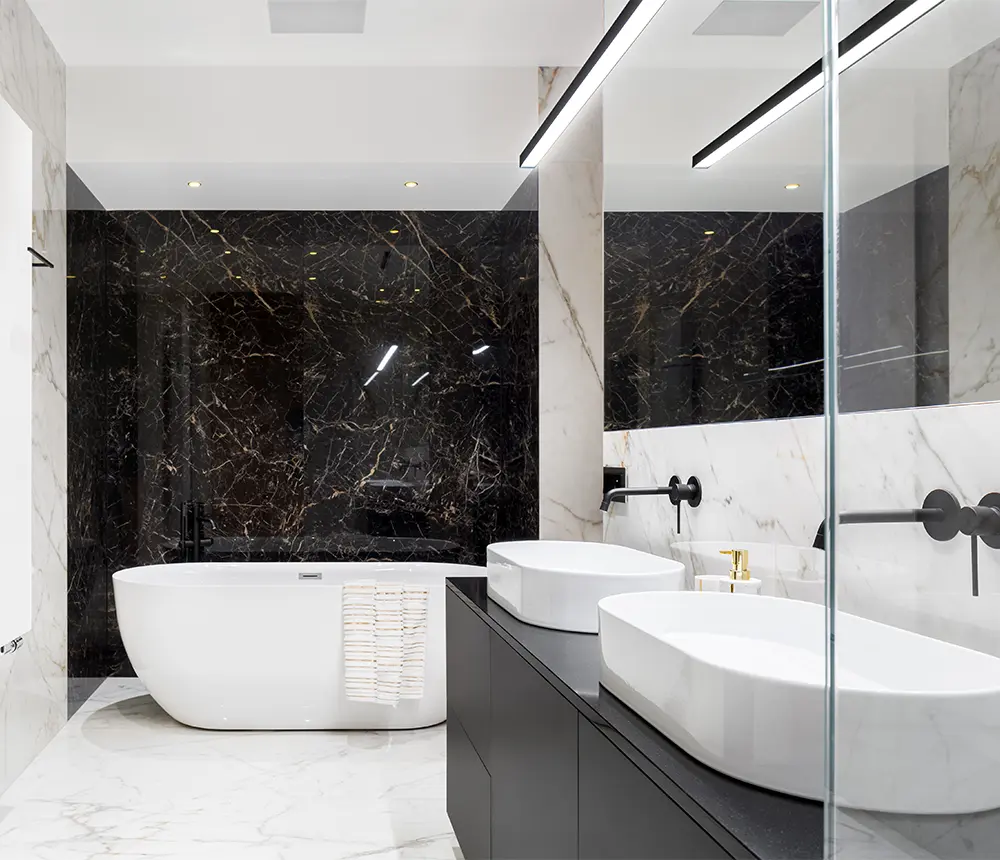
(571, 320)
(33, 678)
(974, 245)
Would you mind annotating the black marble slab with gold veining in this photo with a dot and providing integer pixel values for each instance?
(228, 357)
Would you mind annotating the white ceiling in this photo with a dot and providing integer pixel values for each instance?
(398, 33)
(444, 91)
(893, 112)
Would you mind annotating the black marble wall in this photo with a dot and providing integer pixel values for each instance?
(240, 349)
(102, 486)
(712, 317)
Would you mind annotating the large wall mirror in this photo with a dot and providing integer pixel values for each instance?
(713, 276)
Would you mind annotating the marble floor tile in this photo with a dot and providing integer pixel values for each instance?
(122, 779)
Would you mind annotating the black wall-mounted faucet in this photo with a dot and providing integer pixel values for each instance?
(943, 518)
(939, 516)
(676, 491)
(194, 518)
(981, 521)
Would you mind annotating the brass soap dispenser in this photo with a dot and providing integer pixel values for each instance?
(739, 580)
(740, 569)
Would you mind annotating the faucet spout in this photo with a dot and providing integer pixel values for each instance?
(621, 493)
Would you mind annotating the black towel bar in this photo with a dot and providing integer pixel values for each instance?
(43, 263)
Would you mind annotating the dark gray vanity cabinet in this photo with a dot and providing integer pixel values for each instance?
(468, 793)
(468, 728)
(513, 782)
(533, 762)
(624, 814)
(531, 776)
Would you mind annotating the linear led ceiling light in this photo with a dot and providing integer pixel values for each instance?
(876, 31)
(619, 38)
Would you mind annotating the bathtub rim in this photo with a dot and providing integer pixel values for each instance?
(184, 574)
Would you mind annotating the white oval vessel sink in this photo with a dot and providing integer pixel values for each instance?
(557, 584)
(738, 681)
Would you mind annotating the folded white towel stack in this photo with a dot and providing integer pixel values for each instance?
(359, 641)
(414, 641)
(385, 641)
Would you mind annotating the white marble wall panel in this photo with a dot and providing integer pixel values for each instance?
(974, 246)
(763, 482)
(571, 320)
(33, 679)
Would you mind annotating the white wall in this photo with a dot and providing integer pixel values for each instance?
(33, 679)
(763, 482)
(16, 216)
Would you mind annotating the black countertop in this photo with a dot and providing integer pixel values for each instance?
(746, 820)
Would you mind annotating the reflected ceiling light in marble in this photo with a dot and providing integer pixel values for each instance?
(194, 183)
(368, 381)
(479, 350)
(616, 42)
(420, 379)
(213, 231)
(876, 31)
(313, 253)
(792, 186)
(227, 252)
(387, 357)
(312, 277)
(710, 232)
(394, 232)
(410, 184)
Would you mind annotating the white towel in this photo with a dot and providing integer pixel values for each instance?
(359, 641)
(385, 641)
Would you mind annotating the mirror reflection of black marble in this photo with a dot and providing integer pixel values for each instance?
(893, 285)
(712, 317)
(718, 316)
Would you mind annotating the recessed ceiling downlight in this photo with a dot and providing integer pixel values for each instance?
(792, 186)
(194, 183)
(411, 184)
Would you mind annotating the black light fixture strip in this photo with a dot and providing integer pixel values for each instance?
(40, 261)
(878, 20)
(592, 61)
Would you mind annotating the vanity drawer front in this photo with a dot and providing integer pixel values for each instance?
(534, 763)
(468, 793)
(625, 816)
(468, 646)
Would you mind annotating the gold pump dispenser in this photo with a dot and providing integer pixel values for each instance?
(741, 563)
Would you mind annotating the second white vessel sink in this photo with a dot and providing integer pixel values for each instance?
(738, 681)
(557, 584)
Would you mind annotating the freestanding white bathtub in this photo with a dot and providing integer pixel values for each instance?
(259, 645)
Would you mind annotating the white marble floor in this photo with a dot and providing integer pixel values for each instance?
(124, 780)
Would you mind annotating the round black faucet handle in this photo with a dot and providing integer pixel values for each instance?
(982, 520)
(689, 492)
